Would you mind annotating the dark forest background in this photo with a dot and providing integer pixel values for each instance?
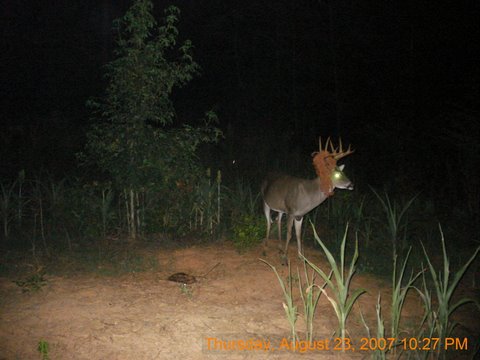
(397, 80)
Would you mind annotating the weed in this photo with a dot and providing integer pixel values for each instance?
(381, 348)
(399, 293)
(310, 298)
(247, 232)
(186, 290)
(341, 300)
(444, 289)
(288, 305)
(395, 219)
(32, 283)
(43, 348)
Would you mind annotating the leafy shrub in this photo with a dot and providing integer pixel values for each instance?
(248, 230)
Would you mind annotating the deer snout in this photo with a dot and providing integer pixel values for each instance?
(350, 186)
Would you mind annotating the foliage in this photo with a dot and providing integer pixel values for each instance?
(310, 294)
(130, 141)
(6, 210)
(32, 283)
(248, 230)
(242, 198)
(43, 348)
(399, 293)
(289, 306)
(396, 224)
(444, 289)
(145, 72)
(342, 300)
(379, 353)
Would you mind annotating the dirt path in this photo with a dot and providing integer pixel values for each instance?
(144, 316)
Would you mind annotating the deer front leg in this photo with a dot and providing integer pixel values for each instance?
(298, 233)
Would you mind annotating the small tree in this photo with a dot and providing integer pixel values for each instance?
(129, 141)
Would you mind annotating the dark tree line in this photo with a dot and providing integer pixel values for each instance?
(398, 80)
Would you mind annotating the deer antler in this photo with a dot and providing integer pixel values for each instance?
(327, 144)
(336, 153)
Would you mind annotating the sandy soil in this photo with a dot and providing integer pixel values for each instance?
(144, 316)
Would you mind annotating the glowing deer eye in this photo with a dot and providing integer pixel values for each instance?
(337, 175)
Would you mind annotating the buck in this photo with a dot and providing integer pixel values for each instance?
(296, 197)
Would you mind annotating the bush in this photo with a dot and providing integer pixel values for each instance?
(248, 231)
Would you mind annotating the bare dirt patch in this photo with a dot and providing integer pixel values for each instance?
(144, 316)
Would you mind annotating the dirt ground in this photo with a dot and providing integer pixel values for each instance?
(145, 316)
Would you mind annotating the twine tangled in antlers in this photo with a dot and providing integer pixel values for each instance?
(324, 164)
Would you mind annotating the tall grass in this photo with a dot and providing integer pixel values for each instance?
(288, 305)
(310, 294)
(427, 325)
(379, 353)
(438, 310)
(206, 204)
(395, 220)
(445, 287)
(341, 298)
(399, 293)
(7, 207)
(242, 199)
(45, 213)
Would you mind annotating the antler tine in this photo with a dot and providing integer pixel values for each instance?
(328, 141)
(340, 154)
(332, 148)
(335, 152)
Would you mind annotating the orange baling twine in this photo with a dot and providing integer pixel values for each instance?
(324, 164)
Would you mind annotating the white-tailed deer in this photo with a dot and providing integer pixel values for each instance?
(296, 197)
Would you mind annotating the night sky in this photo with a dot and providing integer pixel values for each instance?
(397, 79)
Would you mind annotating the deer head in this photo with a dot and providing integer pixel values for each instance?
(325, 163)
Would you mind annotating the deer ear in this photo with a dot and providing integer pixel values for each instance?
(341, 167)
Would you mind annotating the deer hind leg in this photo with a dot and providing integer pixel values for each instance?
(298, 233)
(268, 216)
(279, 226)
(289, 234)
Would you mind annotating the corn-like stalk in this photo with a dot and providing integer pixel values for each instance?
(288, 306)
(341, 300)
(20, 203)
(444, 289)
(106, 209)
(394, 216)
(399, 293)
(6, 203)
(429, 320)
(39, 211)
(205, 204)
(219, 183)
(132, 212)
(380, 354)
(310, 299)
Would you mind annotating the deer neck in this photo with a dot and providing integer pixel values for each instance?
(313, 195)
(323, 188)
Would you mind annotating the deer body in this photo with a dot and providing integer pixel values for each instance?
(296, 197)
